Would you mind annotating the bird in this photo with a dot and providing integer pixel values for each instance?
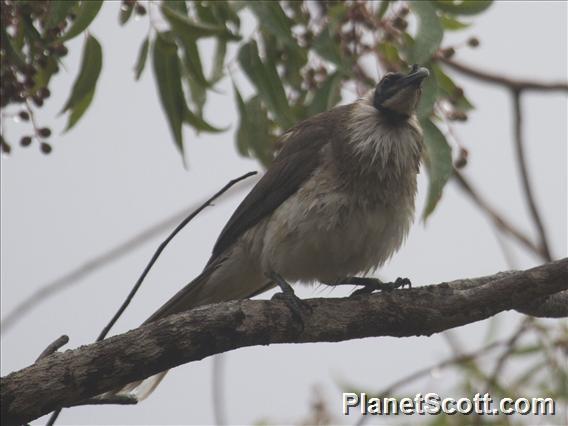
(337, 202)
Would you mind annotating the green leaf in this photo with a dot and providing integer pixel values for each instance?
(142, 56)
(87, 11)
(449, 89)
(168, 79)
(462, 7)
(253, 135)
(429, 96)
(184, 26)
(79, 109)
(192, 59)
(383, 8)
(429, 34)
(12, 52)
(126, 10)
(178, 5)
(272, 17)
(198, 95)
(438, 164)
(91, 65)
(267, 82)
(327, 96)
(452, 24)
(199, 123)
(58, 11)
(218, 69)
(327, 48)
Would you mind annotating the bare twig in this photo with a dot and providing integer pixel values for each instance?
(53, 346)
(455, 360)
(499, 79)
(91, 370)
(510, 347)
(99, 261)
(529, 196)
(114, 400)
(161, 248)
(218, 390)
(499, 221)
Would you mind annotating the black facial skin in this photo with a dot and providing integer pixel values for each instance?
(395, 82)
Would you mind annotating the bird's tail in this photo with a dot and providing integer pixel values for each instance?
(209, 287)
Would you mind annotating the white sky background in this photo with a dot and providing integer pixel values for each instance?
(118, 172)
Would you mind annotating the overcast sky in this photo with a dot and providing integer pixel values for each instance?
(118, 172)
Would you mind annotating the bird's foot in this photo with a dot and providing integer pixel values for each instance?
(298, 307)
(373, 284)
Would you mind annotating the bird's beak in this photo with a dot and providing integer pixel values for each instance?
(414, 78)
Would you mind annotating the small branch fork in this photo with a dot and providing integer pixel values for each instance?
(69, 378)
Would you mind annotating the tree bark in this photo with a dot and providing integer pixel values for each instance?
(67, 378)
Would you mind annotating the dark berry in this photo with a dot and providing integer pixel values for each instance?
(24, 115)
(44, 132)
(45, 148)
(26, 141)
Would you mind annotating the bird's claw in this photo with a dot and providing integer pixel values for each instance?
(373, 284)
(298, 307)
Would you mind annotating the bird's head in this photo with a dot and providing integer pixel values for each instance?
(398, 94)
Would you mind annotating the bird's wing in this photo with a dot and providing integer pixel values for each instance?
(295, 163)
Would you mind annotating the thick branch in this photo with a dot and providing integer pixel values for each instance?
(64, 379)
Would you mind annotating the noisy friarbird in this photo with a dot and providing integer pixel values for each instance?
(337, 201)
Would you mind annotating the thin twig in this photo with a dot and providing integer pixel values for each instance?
(90, 266)
(512, 83)
(511, 344)
(521, 159)
(496, 217)
(218, 390)
(455, 360)
(54, 346)
(114, 400)
(161, 248)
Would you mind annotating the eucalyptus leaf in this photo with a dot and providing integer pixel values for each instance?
(269, 85)
(192, 58)
(272, 17)
(199, 123)
(142, 56)
(429, 34)
(462, 7)
(218, 68)
(58, 11)
(78, 110)
(253, 135)
(452, 24)
(438, 164)
(91, 65)
(449, 89)
(187, 27)
(126, 10)
(86, 12)
(327, 96)
(168, 79)
(429, 96)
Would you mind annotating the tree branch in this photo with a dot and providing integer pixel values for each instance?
(64, 379)
(521, 159)
(498, 79)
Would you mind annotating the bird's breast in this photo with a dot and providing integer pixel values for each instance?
(325, 232)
